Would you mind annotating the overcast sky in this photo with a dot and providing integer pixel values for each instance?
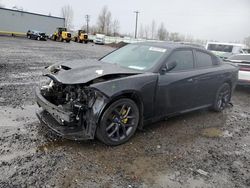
(222, 20)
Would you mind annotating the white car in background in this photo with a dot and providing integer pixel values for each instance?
(226, 50)
(99, 39)
(243, 61)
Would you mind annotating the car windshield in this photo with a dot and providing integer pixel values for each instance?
(135, 56)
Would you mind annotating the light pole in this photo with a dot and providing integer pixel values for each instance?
(136, 22)
(87, 21)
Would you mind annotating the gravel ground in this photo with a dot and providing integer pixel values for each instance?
(199, 149)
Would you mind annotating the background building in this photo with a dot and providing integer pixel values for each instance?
(19, 22)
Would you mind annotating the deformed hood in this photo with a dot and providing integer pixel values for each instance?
(81, 72)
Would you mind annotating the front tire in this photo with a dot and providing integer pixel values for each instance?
(118, 122)
(223, 98)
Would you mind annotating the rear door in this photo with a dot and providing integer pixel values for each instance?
(208, 77)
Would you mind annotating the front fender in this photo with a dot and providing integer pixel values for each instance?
(143, 85)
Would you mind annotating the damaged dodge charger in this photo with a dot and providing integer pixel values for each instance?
(135, 85)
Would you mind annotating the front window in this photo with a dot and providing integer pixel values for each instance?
(183, 58)
(134, 56)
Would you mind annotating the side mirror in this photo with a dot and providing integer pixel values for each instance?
(169, 66)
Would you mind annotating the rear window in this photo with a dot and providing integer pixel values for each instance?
(203, 59)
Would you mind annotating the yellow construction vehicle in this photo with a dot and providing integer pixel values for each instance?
(61, 34)
(81, 36)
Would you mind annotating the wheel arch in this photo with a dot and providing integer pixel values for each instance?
(130, 94)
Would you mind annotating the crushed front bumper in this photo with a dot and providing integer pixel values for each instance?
(60, 121)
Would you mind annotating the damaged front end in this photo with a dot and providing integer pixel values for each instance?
(72, 111)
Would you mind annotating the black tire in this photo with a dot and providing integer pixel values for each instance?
(68, 41)
(86, 42)
(223, 97)
(118, 123)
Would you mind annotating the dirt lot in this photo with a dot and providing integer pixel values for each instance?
(199, 149)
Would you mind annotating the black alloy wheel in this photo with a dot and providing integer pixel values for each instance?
(118, 122)
(223, 98)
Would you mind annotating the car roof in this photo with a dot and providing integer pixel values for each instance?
(169, 45)
(35, 31)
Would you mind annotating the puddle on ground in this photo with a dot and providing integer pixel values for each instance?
(56, 144)
(11, 117)
(212, 132)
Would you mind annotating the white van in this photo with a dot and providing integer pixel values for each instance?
(99, 39)
(225, 50)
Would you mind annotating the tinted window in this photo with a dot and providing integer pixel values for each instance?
(183, 58)
(203, 59)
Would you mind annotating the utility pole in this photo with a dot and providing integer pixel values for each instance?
(87, 21)
(136, 22)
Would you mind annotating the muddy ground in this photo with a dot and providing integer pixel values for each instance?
(199, 149)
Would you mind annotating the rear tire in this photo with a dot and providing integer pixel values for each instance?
(223, 98)
(118, 123)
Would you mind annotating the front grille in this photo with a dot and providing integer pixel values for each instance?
(85, 36)
(69, 35)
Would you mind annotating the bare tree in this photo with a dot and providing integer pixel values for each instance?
(176, 37)
(189, 38)
(104, 20)
(108, 23)
(67, 13)
(162, 32)
(247, 41)
(153, 28)
(146, 31)
(116, 27)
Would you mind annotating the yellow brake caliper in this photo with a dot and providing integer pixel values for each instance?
(126, 119)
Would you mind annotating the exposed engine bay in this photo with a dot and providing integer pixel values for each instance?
(70, 98)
